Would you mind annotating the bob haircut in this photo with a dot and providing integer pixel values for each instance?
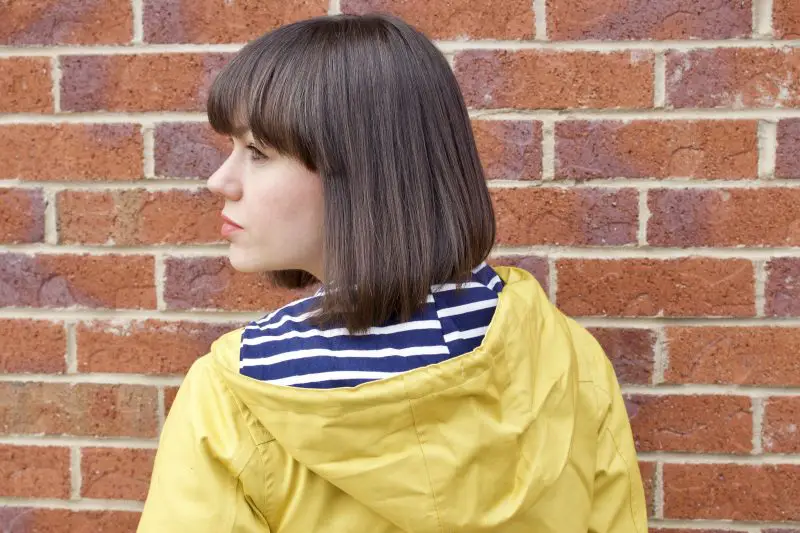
(372, 105)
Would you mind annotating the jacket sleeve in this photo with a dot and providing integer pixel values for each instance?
(618, 504)
(203, 449)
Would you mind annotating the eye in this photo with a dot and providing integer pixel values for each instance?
(255, 153)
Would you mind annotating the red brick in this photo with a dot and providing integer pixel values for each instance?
(538, 266)
(211, 283)
(734, 77)
(783, 287)
(697, 424)
(456, 19)
(648, 473)
(631, 351)
(650, 287)
(732, 492)
(729, 217)
(103, 281)
(144, 347)
(221, 21)
(671, 530)
(645, 19)
(733, 355)
(786, 19)
(528, 216)
(189, 150)
(38, 520)
(146, 82)
(787, 164)
(48, 22)
(27, 85)
(655, 149)
(71, 152)
(116, 473)
(34, 472)
(77, 409)
(509, 149)
(21, 216)
(132, 217)
(32, 346)
(543, 79)
(782, 425)
(169, 398)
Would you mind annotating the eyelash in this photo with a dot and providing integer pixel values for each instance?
(255, 154)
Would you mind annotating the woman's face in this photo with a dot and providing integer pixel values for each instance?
(274, 210)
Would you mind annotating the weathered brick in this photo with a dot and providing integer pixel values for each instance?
(456, 19)
(221, 21)
(80, 410)
(732, 492)
(132, 217)
(783, 287)
(146, 82)
(49, 22)
(189, 150)
(104, 281)
(734, 77)
(651, 287)
(211, 283)
(645, 19)
(39, 520)
(34, 472)
(21, 216)
(538, 266)
(786, 19)
(631, 351)
(116, 473)
(657, 149)
(787, 164)
(528, 216)
(537, 79)
(733, 355)
(782, 425)
(84, 152)
(648, 473)
(509, 149)
(26, 85)
(724, 217)
(169, 398)
(32, 346)
(696, 424)
(144, 347)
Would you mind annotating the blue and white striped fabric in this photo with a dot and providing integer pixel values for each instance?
(284, 349)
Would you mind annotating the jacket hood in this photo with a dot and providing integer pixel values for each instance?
(464, 444)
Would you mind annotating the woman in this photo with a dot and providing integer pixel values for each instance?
(419, 389)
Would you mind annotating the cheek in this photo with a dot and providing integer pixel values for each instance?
(289, 207)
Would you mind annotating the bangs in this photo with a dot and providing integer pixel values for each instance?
(263, 91)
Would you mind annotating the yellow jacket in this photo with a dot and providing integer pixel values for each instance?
(526, 434)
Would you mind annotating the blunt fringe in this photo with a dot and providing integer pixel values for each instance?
(372, 105)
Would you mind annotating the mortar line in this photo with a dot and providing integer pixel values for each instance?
(767, 148)
(758, 425)
(94, 379)
(137, 7)
(660, 356)
(548, 150)
(762, 19)
(72, 348)
(55, 74)
(658, 490)
(751, 391)
(81, 442)
(644, 217)
(148, 151)
(84, 504)
(540, 20)
(76, 477)
(760, 286)
(160, 280)
(50, 216)
(660, 80)
(719, 459)
(552, 286)
(334, 7)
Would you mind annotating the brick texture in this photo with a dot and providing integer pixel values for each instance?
(568, 217)
(649, 287)
(787, 163)
(37, 520)
(786, 19)
(144, 347)
(509, 150)
(188, 150)
(34, 472)
(104, 281)
(100, 152)
(133, 217)
(648, 473)
(644, 19)
(153, 82)
(169, 397)
(782, 287)
(782, 425)
(26, 85)
(555, 80)
(631, 351)
(536, 265)
(32, 346)
(116, 473)
(21, 216)
(733, 355)
(651, 149)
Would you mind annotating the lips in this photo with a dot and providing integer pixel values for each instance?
(229, 226)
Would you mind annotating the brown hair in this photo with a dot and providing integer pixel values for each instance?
(373, 106)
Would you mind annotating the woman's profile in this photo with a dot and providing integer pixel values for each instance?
(418, 389)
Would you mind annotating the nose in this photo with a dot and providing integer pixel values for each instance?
(226, 180)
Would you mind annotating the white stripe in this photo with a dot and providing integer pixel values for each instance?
(339, 332)
(479, 268)
(468, 334)
(285, 307)
(495, 281)
(452, 286)
(330, 376)
(282, 321)
(466, 308)
(322, 352)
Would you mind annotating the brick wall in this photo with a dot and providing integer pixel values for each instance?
(641, 157)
